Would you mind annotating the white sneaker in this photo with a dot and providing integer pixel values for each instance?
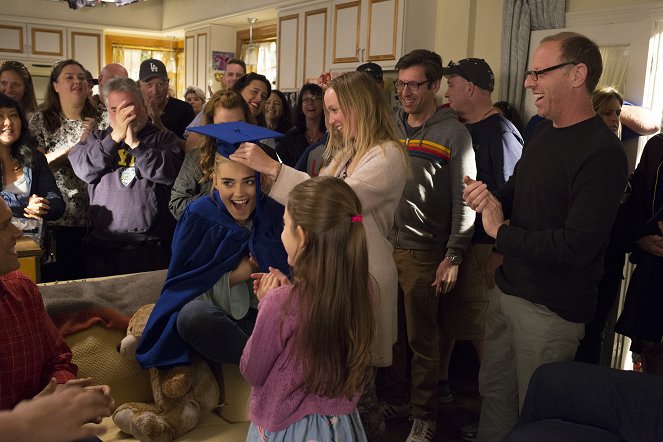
(422, 431)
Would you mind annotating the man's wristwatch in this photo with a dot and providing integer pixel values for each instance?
(454, 259)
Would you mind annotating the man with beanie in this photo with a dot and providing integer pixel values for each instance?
(497, 148)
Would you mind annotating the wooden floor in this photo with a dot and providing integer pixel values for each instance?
(465, 407)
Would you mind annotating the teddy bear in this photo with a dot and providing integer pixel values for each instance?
(181, 394)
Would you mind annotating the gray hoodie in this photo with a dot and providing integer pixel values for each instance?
(432, 213)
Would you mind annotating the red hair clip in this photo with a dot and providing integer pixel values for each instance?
(356, 219)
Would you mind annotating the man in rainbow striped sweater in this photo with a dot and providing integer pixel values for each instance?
(432, 229)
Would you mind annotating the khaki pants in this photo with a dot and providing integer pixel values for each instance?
(416, 273)
(520, 336)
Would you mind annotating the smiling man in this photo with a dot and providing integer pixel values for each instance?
(165, 112)
(35, 361)
(432, 230)
(130, 168)
(559, 206)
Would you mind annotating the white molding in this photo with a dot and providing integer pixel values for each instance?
(621, 14)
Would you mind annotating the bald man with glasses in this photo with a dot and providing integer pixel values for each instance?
(551, 222)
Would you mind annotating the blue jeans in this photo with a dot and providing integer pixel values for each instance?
(214, 334)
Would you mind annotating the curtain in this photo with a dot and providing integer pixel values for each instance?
(266, 59)
(520, 17)
(615, 63)
(654, 76)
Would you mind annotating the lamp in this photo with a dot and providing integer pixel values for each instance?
(251, 56)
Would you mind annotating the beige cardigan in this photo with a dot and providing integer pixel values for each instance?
(378, 181)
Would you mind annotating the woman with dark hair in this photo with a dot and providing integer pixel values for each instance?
(255, 89)
(28, 186)
(309, 125)
(510, 113)
(66, 118)
(278, 114)
(16, 82)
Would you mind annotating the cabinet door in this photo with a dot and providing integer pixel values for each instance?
(46, 41)
(382, 30)
(346, 32)
(203, 55)
(190, 58)
(12, 39)
(288, 52)
(85, 46)
(315, 43)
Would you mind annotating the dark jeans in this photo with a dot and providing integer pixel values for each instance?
(69, 254)
(214, 334)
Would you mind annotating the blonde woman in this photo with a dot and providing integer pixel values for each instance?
(363, 150)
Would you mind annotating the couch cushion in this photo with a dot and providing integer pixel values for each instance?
(212, 428)
(95, 354)
(236, 392)
(557, 430)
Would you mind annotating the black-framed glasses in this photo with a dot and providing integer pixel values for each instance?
(13, 64)
(535, 74)
(412, 85)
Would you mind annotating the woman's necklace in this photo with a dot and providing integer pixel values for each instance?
(312, 136)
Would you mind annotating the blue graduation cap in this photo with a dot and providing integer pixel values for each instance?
(230, 135)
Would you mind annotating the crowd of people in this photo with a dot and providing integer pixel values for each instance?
(334, 243)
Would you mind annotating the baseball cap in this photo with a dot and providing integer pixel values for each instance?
(152, 68)
(475, 70)
(372, 69)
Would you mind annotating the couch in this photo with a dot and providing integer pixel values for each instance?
(574, 401)
(93, 314)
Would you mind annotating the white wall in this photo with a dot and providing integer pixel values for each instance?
(143, 15)
(470, 28)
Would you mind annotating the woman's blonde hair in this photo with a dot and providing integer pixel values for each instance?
(226, 99)
(366, 113)
(336, 322)
(602, 96)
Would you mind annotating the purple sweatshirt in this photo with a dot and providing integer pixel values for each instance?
(268, 364)
(129, 188)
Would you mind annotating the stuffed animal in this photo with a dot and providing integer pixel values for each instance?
(181, 394)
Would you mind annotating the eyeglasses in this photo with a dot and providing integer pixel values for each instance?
(309, 100)
(412, 85)
(11, 64)
(535, 74)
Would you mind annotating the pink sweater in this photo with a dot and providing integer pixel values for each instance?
(277, 399)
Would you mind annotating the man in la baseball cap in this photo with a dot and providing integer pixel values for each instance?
(165, 112)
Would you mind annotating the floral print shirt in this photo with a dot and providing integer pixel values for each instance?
(74, 190)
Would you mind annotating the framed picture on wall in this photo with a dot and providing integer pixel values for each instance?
(220, 59)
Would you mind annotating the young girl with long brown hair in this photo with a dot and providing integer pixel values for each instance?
(308, 355)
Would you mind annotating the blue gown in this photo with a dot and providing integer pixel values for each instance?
(207, 243)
